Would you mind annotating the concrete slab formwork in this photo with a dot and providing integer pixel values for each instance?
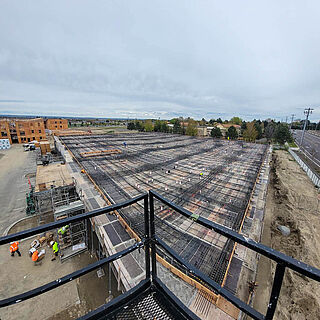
(212, 178)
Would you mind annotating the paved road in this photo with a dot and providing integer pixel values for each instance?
(311, 144)
(15, 164)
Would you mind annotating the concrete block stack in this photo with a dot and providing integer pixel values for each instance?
(4, 144)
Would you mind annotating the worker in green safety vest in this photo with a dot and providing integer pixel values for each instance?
(55, 248)
(63, 230)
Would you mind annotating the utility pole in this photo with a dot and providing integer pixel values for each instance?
(292, 116)
(307, 112)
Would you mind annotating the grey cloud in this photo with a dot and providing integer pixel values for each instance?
(160, 58)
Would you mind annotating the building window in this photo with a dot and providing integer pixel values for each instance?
(60, 126)
(55, 122)
(28, 139)
(60, 122)
(40, 138)
(31, 124)
(33, 138)
(56, 126)
(4, 134)
(22, 133)
(32, 131)
(38, 124)
(39, 131)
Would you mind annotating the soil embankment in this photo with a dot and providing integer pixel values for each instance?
(292, 201)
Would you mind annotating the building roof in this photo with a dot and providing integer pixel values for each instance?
(228, 125)
(28, 120)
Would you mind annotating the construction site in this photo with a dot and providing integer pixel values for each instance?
(214, 179)
(222, 181)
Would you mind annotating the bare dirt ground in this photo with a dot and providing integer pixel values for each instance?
(291, 201)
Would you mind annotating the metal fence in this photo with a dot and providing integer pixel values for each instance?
(314, 177)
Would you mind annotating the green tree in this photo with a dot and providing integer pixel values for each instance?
(164, 127)
(243, 125)
(131, 126)
(216, 132)
(282, 133)
(157, 126)
(192, 128)
(203, 122)
(177, 127)
(148, 127)
(219, 120)
(139, 126)
(212, 121)
(236, 120)
(257, 125)
(232, 133)
(183, 127)
(269, 130)
(250, 134)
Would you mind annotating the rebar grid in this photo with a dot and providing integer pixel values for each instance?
(211, 178)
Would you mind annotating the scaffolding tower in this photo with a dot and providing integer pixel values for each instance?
(72, 238)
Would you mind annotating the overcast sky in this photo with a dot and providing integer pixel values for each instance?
(150, 59)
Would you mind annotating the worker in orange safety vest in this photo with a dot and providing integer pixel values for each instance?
(15, 248)
(35, 256)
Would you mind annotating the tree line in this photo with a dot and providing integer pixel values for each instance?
(248, 130)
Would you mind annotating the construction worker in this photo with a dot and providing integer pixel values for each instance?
(15, 248)
(63, 230)
(35, 257)
(38, 256)
(55, 248)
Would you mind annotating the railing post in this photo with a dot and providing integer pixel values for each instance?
(277, 283)
(152, 236)
(147, 235)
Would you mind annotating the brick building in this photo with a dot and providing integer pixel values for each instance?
(5, 130)
(22, 130)
(56, 124)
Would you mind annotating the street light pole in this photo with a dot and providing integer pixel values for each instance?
(307, 112)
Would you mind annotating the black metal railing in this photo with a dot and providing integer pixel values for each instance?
(283, 261)
(84, 216)
(150, 241)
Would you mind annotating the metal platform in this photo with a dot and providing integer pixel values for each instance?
(149, 300)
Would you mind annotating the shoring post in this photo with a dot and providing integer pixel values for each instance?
(147, 235)
(109, 281)
(277, 283)
(152, 237)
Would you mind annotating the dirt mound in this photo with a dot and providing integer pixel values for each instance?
(292, 202)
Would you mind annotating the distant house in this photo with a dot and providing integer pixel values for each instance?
(209, 129)
(202, 131)
(225, 126)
